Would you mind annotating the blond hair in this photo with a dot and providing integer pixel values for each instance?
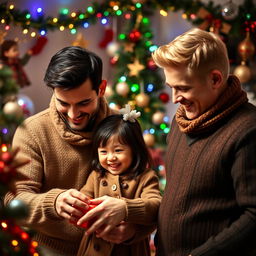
(199, 50)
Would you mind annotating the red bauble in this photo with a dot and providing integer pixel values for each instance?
(164, 97)
(7, 157)
(135, 35)
(151, 64)
(85, 224)
(114, 60)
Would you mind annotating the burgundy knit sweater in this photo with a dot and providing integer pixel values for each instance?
(209, 203)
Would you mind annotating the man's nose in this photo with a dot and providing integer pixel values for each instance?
(176, 97)
(73, 112)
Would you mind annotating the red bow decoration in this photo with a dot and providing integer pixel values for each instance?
(210, 21)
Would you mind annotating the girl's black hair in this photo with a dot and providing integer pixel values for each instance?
(129, 134)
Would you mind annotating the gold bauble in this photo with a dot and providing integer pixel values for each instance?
(112, 48)
(147, 110)
(13, 108)
(246, 48)
(243, 72)
(142, 100)
(149, 139)
(122, 89)
(158, 117)
(109, 91)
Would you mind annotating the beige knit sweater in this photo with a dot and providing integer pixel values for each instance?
(59, 161)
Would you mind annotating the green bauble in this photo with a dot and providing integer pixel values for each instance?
(16, 209)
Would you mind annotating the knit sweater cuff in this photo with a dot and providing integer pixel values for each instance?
(135, 210)
(49, 203)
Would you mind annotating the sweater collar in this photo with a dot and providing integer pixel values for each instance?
(229, 101)
(77, 137)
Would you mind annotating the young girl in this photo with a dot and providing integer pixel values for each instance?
(10, 58)
(120, 170)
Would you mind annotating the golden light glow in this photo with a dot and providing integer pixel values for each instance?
(4, 148)
(115, 8)
(34, 243)
(15, 242)
(163, 13)
(184, 16)
(4, 225)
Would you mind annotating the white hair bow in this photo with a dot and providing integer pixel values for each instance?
(129, 115)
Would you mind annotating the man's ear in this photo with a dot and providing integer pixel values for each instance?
(216, 78)
(102, 88)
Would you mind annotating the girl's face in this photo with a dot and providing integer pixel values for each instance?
(115, 157)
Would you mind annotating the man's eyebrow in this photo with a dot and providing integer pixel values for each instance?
(82, 101)
(178, 85)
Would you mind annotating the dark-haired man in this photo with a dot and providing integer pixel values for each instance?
(58, 143)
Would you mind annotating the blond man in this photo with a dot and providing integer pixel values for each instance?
(209, 203)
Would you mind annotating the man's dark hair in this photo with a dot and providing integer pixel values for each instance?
(6, 46)
(72, 66)
(129, 134)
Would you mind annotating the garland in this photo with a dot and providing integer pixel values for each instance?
(195, 11)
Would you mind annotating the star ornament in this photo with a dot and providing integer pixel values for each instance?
(80, 41)
(135, 68)
(129, 47)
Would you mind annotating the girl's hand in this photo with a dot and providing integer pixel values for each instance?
(108, 213)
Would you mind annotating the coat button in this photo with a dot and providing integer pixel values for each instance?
(104, 183)
(124, 185)
(96, 247)
(114, 187)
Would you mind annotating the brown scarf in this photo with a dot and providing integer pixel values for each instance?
(230, 100)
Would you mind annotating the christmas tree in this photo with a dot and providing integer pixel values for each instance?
(138, 83)
(14, 240)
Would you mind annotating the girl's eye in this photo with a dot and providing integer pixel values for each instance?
(119, 150)
(103, 151)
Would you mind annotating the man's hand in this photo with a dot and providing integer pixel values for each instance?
(68, 204)
(108, 213)
(121, 233)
